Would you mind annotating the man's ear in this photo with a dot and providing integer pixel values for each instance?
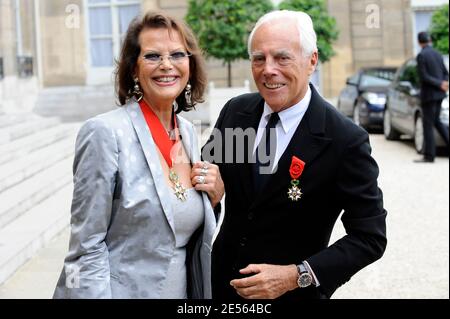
(313, 60)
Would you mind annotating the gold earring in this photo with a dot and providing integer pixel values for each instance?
(137, 93)
(188, 95)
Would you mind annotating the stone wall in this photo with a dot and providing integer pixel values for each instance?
(63, 42)
(362, 42)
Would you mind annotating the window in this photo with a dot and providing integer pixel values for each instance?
(377, 77)
(353, 80)
(108, 21)
(422, 21)
(373, 80)
(410, 74)
(25, 66)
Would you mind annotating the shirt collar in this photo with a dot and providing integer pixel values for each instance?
(289, 117)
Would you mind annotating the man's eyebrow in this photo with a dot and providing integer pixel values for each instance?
(273, 53)
(282, 52)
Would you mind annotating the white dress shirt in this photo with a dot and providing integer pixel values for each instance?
(289, 120)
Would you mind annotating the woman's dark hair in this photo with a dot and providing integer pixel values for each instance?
(131, 49)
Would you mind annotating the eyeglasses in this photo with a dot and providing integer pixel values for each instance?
(174, 58)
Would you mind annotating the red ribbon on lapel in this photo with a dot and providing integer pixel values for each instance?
(297, 166)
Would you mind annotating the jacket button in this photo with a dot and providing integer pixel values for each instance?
(250, 216)
(243, 241)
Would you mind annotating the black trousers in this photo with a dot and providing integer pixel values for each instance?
(431, 111)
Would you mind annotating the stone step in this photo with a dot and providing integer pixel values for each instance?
(21, 129)
(17, 171)
(24, 146)
(23, 237)
(20, 198)
(75, 103)
(13, 119)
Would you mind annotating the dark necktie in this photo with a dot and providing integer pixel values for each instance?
(265, 153)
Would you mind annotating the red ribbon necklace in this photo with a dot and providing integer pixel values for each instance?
(166, 145)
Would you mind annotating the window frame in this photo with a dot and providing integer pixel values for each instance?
(104, 74)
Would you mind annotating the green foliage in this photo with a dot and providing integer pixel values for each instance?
(439, 29)
(222, 27)
(324, 25)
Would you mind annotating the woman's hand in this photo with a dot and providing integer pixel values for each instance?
(206, 177)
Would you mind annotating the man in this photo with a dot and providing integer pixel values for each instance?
(434, 85)
(276, 227)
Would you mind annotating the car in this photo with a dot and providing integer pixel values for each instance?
(403, 115)
(364, 97)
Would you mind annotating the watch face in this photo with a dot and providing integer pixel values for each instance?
(304, 280)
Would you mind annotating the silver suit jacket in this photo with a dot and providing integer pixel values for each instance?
(122, 229)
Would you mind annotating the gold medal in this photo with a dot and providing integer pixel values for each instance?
(179, 190)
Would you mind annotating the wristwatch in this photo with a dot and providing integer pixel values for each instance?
(304, 277)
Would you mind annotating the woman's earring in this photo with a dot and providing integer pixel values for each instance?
(175, 106)
(138, 95)
(187, 95)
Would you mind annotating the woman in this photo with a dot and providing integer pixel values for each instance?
(139, 228)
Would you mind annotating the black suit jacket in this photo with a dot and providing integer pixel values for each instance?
(432, 72)
(269, 228)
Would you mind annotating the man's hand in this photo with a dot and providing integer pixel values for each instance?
(269, 281)
(444, 86)
(206, 177)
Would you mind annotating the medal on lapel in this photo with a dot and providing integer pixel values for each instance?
(179, 190)
(296, 169)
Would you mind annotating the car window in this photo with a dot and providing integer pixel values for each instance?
(377, 78)
(354, 79)
(387, 74)
(371, 80)
(410, 73)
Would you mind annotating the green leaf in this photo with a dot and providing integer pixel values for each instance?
(324, 25)
(439, 29)
(222, 27)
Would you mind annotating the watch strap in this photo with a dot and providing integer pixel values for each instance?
(302, 268)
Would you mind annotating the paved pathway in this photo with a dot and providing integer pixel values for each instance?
(416, 262)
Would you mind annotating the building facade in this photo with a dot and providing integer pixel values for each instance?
(18, 81)
(53, 43)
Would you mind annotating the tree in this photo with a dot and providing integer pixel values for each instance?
(439, 29)
(222, 27)
(324, 25)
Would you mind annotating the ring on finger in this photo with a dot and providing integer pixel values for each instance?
(204, 171)
(201, 179)
(205, 165)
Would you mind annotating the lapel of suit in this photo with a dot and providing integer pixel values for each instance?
(307, 143)
(189, 139)
(248, 118)
(151, 155)
(190, 143)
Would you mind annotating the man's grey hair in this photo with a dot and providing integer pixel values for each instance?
(308, 37)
